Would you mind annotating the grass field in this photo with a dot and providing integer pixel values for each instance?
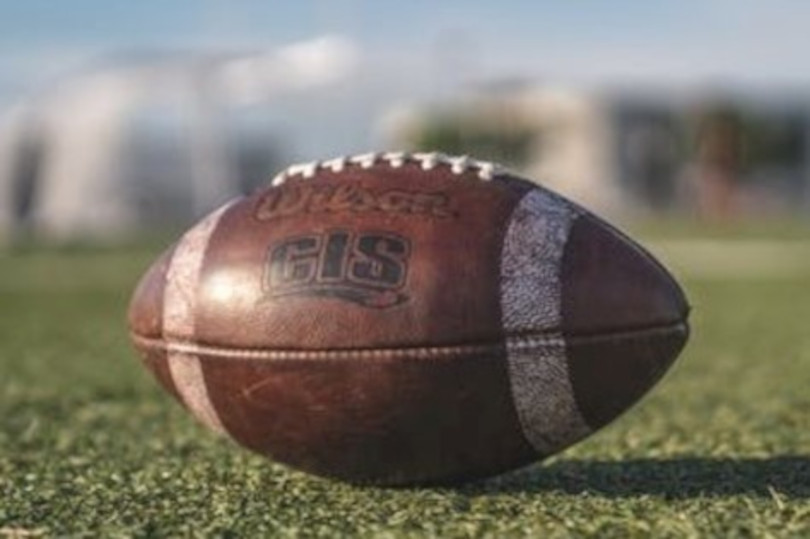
(89, 446)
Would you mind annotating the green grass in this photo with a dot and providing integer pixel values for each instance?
(90, 446)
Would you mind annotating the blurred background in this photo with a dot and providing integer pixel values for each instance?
(121, 123)
(119, 119)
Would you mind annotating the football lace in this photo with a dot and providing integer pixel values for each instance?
(427, 161)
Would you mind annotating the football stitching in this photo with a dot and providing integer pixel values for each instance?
(423, 352)
(427, 352)
(458, 165)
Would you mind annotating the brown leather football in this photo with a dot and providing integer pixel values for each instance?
(406, 319)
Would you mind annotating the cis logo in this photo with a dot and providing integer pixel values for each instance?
(369, 268)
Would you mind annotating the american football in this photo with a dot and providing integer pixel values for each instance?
(402, 319)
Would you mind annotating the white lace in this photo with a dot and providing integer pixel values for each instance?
(427, 161)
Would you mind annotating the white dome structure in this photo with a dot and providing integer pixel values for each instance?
(149, 144)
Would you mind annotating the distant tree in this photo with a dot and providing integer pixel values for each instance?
(504, 142)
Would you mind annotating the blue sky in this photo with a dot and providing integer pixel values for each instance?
(192, 23)
(584, 39)
(423, 49)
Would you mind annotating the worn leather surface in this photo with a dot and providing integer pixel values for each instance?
(450, 289)
(623, 319)
(366, 262)
(146, 319)
(610, 284)
(145, 314)
(610, 372)
(381, 420)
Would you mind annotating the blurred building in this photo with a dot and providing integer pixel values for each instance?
(716, 154)
(146, 144)
(122, 151)
(153, 143)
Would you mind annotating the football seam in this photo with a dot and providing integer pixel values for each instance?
(513, 342)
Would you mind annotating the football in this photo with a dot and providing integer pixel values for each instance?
(403, 319)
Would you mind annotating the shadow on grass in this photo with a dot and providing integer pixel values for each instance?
(787, 475)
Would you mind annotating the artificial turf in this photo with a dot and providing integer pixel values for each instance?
(90, 446)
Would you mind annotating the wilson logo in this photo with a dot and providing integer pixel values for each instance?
(369, 269)
(303, 199)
